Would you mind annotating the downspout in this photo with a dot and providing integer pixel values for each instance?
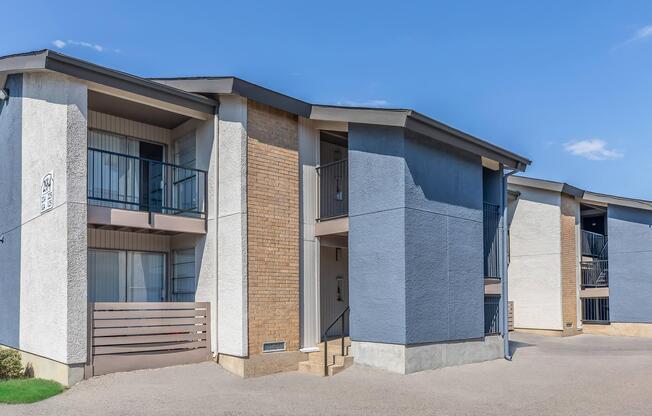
(503, 281)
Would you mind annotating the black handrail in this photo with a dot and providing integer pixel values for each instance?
(333, 192)
(115, 179)
(324, 338)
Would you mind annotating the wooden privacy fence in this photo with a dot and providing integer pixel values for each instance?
(127, 336)
(510, 315)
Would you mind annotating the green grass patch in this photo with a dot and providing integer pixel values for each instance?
(28, 390)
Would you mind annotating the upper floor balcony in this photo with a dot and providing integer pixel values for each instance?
(168, 197)
(491, 240)
(333, 192)
(594, 245)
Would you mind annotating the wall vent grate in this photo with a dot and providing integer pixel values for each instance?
(274, 346)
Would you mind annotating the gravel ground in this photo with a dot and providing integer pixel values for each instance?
(584, 375)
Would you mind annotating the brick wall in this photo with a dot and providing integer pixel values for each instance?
(272, 227)
(568, 265)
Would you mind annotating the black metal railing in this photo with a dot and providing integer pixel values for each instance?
(595, 310)
(128, 182)
(333, 190)
(595, 273)
(491, 240)
(491, 314)
(594, 244)
(324, 338)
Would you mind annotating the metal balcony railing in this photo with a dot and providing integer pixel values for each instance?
(333, 179)
(117, 180)
(595, 310)
(491, 240)
(595, 273)
(491, 314)
(594, 244)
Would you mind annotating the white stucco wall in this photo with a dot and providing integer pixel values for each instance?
(206, 245)
(45, 254)
(232, 227)
(535, 259)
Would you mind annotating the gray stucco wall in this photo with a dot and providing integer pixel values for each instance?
(630, 264)
(415, 239)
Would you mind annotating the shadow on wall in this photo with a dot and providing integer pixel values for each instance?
(10, 211)
(441, 174)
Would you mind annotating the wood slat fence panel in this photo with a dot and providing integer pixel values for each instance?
(131, 336)
(510, 315)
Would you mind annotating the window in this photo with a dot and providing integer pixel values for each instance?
(184, 281)
(126, 276)
(186, 183)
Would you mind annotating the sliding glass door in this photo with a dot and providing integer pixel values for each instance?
(126, 276)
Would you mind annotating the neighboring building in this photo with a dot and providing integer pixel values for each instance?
(579, 261)
(152, 222)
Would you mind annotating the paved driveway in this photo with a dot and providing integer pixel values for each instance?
(584, 375)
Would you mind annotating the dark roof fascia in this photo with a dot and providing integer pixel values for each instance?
(382, 116)
(617, 200)
(405, 118)
(434, 129)
(547, 185)
(234, 85)
(54, 61)
(586, 196)
(123, 81)
(20, 62)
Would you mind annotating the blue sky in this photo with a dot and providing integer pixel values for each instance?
(567, 84)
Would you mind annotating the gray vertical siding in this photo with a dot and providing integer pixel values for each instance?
(415, 239)
(630, 264)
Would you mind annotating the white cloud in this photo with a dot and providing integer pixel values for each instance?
(642, 33)
(593, 149)
(95, 46)
(99, 48)
(368, 103)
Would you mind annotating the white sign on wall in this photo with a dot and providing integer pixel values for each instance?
(47, 192)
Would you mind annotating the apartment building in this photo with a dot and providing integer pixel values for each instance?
(579, 260)
(150, 222)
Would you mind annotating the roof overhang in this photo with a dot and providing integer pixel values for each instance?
(584, 196)
(602, 199)
(112, 82)
(233, 85)
(408, 119)
(543, 184)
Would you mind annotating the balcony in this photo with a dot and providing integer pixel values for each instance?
(491, 240)
(594, 244)
(595, 310)
(159, 190)
(333, 183)
(595, 273)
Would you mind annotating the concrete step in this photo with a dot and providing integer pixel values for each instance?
(346, 361)
(318, 357)
(311, 367)
(315, 364)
